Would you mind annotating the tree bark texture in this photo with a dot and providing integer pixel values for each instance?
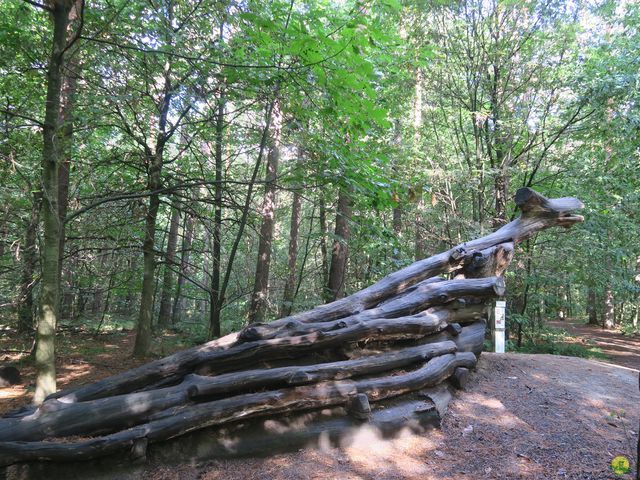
(164, 316)
(185, 251)
(608, 309)
(340, 249)
(29, 263)
(51, 159)
(216, 254)
(292, 256)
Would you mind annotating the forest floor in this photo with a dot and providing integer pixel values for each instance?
(521, 416)
(620, 349)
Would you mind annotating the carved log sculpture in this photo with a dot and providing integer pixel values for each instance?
(411, 331)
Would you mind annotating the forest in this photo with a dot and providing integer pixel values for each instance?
(193, 167)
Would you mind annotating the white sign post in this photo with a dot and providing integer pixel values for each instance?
(499, 326)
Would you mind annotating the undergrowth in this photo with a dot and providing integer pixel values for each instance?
(556, 341)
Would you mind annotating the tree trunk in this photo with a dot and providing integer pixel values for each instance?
(324, 256)
(591, 307)
(419, 238)
(187, 230)
(290, 285)
(29, 262)
(501, 193)
(608, 307)
(217, 289)
(155, 160)
(562, 309)
(67, 105)
(397, 229)
(216, 258)
(340, 250)
(98, 296)
(51, 158)
(164, 316)
(259, 298)
(417, 146)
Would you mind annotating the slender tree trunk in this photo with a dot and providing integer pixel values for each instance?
(245, 214)
(67, 105)
(164, 315)
(562, 310)
(419, 238)
(290, 285)
(608, 310)
(324, 256)
(259, 299)
(397, 228)
(98, 297)
(155, 160)
(3, 223)
(215, 308)
(417, 147)
(340, 251)
(305, 256)
(51, 158)
(500, 192)
(396, 211)
(636, 316)
(145, 317)
(178, 303)
(591, 307)
(206, 261)
(29, 262)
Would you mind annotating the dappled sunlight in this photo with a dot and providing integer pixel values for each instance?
(13, 392)
(138, 403)
(71, 372)
(372, 453)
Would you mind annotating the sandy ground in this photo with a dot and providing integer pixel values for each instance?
(621, 350)
(521, 417)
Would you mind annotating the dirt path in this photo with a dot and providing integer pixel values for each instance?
(621, 350)
(521, 417)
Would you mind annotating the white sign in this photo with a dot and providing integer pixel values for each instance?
(499, 326)
(499, 341)
(501, 307)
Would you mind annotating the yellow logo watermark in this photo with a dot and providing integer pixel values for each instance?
(620, 465)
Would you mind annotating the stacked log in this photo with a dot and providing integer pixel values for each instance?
(409, 332)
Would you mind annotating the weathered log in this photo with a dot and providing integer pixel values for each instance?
(532, 204)
(179, 420)
(453, 312)
(378, 329)
(188, 360)
(470, 339)
(240, 355)
(298, 375)
(257, 437)
(489, 262)
(440, 395)
(538, 214)
(411, 289)
(418, 299)
(360, 407)
(57, 419)
(460, 378)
